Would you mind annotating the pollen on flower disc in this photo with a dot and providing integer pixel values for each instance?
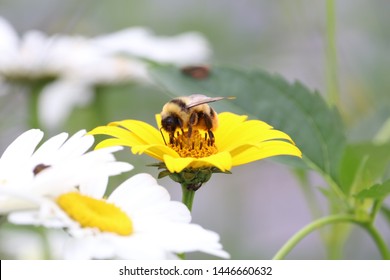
(196, 146)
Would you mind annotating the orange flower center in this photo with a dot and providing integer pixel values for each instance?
(196, 146)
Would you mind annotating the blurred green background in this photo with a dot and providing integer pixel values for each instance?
(257, 208)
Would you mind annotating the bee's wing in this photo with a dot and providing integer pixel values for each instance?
(198, 99)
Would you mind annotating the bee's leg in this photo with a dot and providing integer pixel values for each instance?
(189, 133)
(179, 124)
(209, 124)
(211, 137)
(193, 121)
(172, 138)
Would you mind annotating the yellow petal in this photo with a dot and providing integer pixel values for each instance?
(165, 134)
(249, 132)
(254, 138)
(109, 130)
(222, 161)
(155, 151)
(227, 122)
(113, 142)
(149, 134)
(119, 133)
(158, 120)
(249, 153)
(175, 164)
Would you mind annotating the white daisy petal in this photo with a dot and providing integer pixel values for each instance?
(58, 179)
(140, 247)
(58, 99)
(22, 147)
(9, 41)
(76, 145)
(44, 154)
(141, 193)
(58, 166)
(192, 238)
(95, 186)
(187, 48)
(85, 249)
(48, 215)
(15, 203)
(115, 168)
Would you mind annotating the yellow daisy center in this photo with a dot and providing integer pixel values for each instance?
(95, 213)
(195, 146)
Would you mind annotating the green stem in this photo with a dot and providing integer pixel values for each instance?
(99, 106)
(332, 183)
(380, 243)
(376, 208)
(33, 102)
(302, 176)
(331, 54)
(188, 196)
(335, 240)
(2, 219)
(341, 218)
(45, 243)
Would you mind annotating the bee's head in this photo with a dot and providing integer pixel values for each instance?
(170, 122)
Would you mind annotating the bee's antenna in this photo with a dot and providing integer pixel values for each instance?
(163, 136)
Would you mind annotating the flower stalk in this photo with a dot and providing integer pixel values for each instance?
(188, 195)
(33, 118)
(33, 99)
(341, 218)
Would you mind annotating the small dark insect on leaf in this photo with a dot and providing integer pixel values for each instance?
(197, 72)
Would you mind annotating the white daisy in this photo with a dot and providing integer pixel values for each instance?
(137, 221)
(183, 49)
(78, 63)
(58, 165)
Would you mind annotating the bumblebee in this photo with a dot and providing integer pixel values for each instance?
(190, 112)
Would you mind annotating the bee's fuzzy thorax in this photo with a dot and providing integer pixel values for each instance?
(189, 113)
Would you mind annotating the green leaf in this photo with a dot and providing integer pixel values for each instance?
(292, 108)
(378, 191)
(362, 165)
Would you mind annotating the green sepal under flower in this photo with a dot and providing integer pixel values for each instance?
(192, 178)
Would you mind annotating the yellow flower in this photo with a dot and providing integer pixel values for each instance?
(237, 141)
